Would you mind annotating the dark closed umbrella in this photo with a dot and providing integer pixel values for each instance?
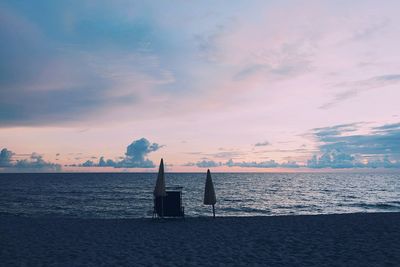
(159, 189)
(209, 192)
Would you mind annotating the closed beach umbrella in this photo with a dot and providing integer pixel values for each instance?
(209, 192)
(159, 190)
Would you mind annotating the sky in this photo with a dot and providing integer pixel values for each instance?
(226, 85)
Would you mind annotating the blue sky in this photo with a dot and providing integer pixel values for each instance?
(233, 85)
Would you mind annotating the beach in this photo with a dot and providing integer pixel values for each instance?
(363, 239)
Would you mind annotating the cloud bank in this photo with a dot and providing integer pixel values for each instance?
(32, 164)
(342, 147)
(243, 164)
(6, 158)
(135, 156)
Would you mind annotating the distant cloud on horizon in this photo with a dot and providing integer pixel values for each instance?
(342, 147)
(203, 164)
(244, 164)
(135, 156)
(34, 163)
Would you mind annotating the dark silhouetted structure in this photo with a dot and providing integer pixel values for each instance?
(169, 205)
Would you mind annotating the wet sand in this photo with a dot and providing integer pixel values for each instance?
(365, 239)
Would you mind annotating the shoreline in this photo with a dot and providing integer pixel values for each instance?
(188, 217)
(353, 239)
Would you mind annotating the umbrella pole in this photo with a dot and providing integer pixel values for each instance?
(162, 207)
(213, 211)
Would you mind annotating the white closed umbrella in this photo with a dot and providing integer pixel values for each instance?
(159, 190)
(209, 192)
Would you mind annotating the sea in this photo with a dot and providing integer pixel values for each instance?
(130, 195)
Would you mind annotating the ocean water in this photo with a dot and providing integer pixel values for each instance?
(129, 195)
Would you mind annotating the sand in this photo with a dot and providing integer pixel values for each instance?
(369, 239)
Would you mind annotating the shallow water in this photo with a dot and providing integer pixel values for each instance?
(129, 195)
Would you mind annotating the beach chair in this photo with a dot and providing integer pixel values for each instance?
(169, 205)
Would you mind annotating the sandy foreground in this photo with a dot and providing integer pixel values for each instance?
(371, 239)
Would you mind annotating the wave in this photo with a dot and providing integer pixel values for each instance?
(395, 205)
(246, 210)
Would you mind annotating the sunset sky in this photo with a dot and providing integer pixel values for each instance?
(226, 85)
